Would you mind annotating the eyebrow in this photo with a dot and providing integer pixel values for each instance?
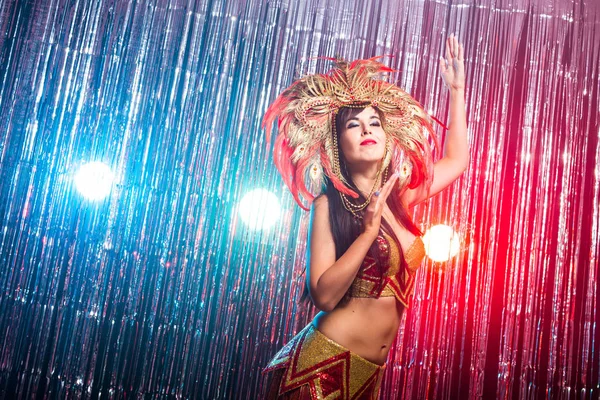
(356, 119)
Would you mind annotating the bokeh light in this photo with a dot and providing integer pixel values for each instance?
(441, 243)
(94, 180)
(259, 209)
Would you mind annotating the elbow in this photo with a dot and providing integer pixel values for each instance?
(326, 307)
(322, 303)
(464, 163)
(467, 159)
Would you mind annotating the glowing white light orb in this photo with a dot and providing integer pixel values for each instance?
(441, 243)
(259, 209)
(94, 180)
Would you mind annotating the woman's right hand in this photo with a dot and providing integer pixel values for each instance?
(373, 212)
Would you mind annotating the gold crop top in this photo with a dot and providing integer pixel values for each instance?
(385, 275)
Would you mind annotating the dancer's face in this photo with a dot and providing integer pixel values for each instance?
(362, 139)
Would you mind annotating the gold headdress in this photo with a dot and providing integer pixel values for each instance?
(306, 146)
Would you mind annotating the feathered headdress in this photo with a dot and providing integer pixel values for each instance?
(306, 147)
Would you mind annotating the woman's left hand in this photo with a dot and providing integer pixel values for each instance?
(453, 67)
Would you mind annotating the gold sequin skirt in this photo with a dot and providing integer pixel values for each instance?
(312, 366)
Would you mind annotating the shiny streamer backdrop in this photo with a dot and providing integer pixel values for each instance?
(161, 289)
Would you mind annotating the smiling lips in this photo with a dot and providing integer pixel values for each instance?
(367, 142)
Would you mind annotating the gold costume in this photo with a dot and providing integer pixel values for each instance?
(373, 280)
(314, 367)
(328, 369)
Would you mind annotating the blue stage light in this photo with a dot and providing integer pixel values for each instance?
(94, 180)
(259, 209)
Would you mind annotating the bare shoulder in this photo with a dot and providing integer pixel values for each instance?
(321, 201)
(320, 207)
(320, 218)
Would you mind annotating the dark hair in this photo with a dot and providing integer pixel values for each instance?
(345, 227)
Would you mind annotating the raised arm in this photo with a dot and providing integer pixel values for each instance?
(456, 151)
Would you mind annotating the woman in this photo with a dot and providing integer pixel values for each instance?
(362, 139)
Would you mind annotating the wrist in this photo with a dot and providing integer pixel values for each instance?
(369, 235)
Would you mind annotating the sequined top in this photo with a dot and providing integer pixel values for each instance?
(384, 275)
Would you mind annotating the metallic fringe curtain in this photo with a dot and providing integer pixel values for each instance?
(161, 290)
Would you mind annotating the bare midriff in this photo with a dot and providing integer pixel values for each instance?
(365, 326)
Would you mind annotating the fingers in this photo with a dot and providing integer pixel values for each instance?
(454, 49)
(389, 185)
(384, 192)
(454, 59)
(374, 210)
(454, 46)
